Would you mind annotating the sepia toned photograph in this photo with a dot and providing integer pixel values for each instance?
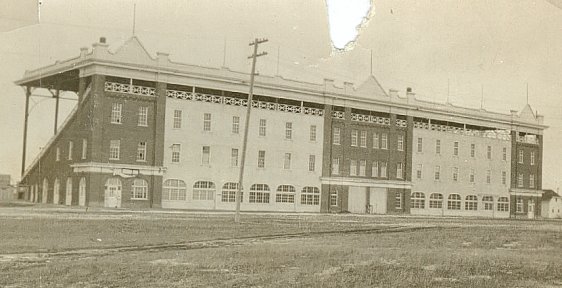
(246, 143)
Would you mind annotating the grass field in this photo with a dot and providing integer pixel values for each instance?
(46, 247)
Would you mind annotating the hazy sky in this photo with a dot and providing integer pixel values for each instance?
(500, 44)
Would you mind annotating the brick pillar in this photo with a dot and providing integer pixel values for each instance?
(97, 118)
(159, 150)
(326, 158)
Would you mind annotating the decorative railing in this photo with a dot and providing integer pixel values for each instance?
(494, 134)
(289, 108)
(264, 105)
(313, 111)
(529, 139)
(370, 119)
(235, 101)
(130, 89)
(401, 123)
(338, 114)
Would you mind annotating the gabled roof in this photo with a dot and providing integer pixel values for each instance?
(549, 194)
(527, 113)
(371, 88)
(132, 49)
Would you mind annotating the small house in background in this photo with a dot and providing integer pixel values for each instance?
(551, 205)
(6, 190)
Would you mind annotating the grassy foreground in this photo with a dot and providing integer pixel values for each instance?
(461, 253)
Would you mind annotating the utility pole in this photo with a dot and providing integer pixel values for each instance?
(254, 57)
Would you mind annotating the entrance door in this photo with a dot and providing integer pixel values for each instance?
(68, 198)
(531, 209)
(378, 200)
(357, 200)
(112, 193)
(82, 192)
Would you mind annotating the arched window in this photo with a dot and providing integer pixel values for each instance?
(471, 202)
(229, 192)
(174, 189)
(285, 194)
(204, 190)
(454, 202)
(488, 202)
(418, 200)
(56, 191)
(140, 189)
(310, 196)
(259, 193)
(503, 204)
(82, 192)
(436, 200)
(45, 190)
(68, 196)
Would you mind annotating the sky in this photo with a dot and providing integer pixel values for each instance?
(464, 47)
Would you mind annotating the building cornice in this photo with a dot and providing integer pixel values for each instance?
(365, 182)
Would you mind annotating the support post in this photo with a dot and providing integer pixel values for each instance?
(27, 95)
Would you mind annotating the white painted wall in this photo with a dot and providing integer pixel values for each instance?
(552, 208)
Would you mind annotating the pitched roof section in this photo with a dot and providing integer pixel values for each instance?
(371, 88)
(132, 51)
(527, 113)
(549, 194)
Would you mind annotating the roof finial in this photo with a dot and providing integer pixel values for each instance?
(371, 62)
(527, 93)
(134, 17)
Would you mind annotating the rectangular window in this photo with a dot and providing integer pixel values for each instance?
(398, 200)
(437, 172)
(175, 153)
(337, 136)
(504, 154)
(352, 167)
(375, 169)
(472, 150)
(383, 170)
(289, 130)
(532, 157)
(84, 148)
(362, 167)
(400, 143)
(437, 146)
(57, 155)
(177, 119)
(504, 177)
(488, 202)
(263, 127)
(531, 181)
(143, 116)
(70, 146)
(336, 166)
(287, 161)
(311, 163)
(114, 149)
(384, 141)
(235, 125)
(334, 198)
(363, 140)
(141, 151)
(520, 180)
(489, 152)
(234, 157)
(521, 156)
(207, 122)
(399, 170)
(488, 176)
(471, 176)
(455, 174)
(354, 134)
(206, 155)
(376, 140)
(519, 205)
(420, 144)
(456, 148)
(419, 172)
(261, 159)
(116, 113)
(313, 133)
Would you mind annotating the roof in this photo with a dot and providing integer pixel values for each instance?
(549, 194)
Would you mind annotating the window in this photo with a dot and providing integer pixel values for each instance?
(454, 202)
(436, 201)
(398, 200)
(472, 150)
(354, 137)
(503, 204)
(437, 172)
(399, 170)
(363, 139)
(313, 133)
(383, 170)
(455, 174)
(141, 151)
(289, 130)
(207, 122)
(334, 197)
(504, 177)
(177, 119)
(235, 125)
(311, 163)
(520, 180)
(261, 159)
(262, 129)
(206, 155)
(420, 145)
(234, 157)
(116, 113)
(400, 143)
(419, 171)
(285, 194)
(384, 142)
(504, 154)
(203, 190)
(519, 205)
(456, 148)
(471, 202)
(488, 202)
(471, 176)
(521, 156)
(376, 140)
(114, 147)
(437, 146)
(531, 181)
(488, 176)
(418, 200)
(375, 169)
(362, 167)
(70, 146)
(84, 148)
(336, 166)
(175, 153)
(336, 139)
(174, 189)
(140, 189)
(489, 152)
(143, 116)
(352, 167)
(532, 157)
(310, 196)
(229, 190)
(259, 193)
(57, 154)
(287, 161)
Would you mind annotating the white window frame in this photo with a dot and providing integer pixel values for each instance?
(400, 143)
(57, 154)
(384, 171)
(520, 180)
(312, 133)
(400, 170)
(455, 174)
(456, 148)
(142, 117)
(472, 150)
(489, 152)
(504, 153)
(235, 125)
(419, 171)
(114, 149)
(70, 149)
(335, 166)
(234, 157)
(204, 191)
(259, 193)
(532, 181)
(488, 176)
(141, 151)
(116, 113)
(288, 130)
(287, 161)
(139, 189)
(521, 157)
(310, 196)
(363, 139)
(261, 159)
(177, 120)
(504, 177)
(334, 197)
(384, 141)
(262, 128)
(206, 155)
(207, 118)
(176, 149)
(438, 146)
(532, 157)
(437, 173)
(352, 167)
(84, 148)
(285, 194)
(503, 204)
(472, 176)
(354, 137)
(362, 167)
(375, 169)
(417, 200)
(436, 201)
(488, 202)
(311, 163)
(454, 202)
(336, 136)
(420, 145)
(471, 203)
(174, 189)
(376, 142)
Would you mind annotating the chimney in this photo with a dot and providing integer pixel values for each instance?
(409, 90)
(83, 52)
(348, 87)
(540, 119)
(99, 48)
(102, 40)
